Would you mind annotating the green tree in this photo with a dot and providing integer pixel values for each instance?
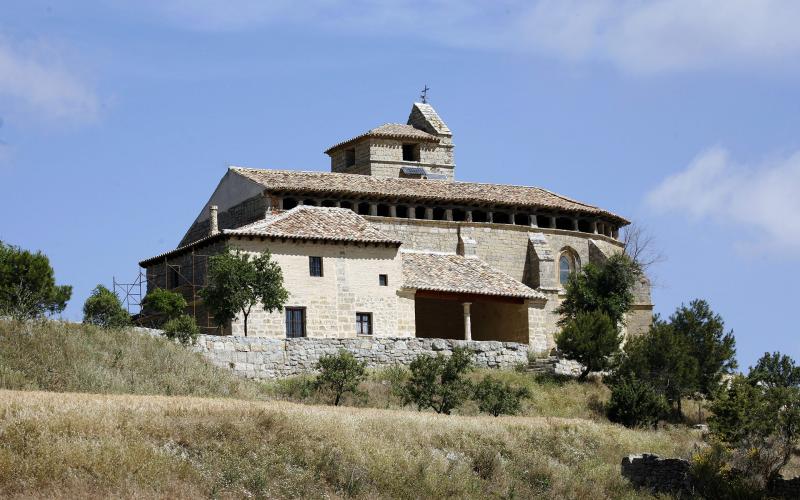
(27, 285)
(661, 358)
(183, 328)
(775, 370)
(708, 343)
(635, 403)
(169, 304)
(605, 287)
(499, 398)
(103, 308)
(590, 338)
(339, 374)
(760, 423)
(439, 382)
(237, 282)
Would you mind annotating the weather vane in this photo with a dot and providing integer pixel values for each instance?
(424, 94)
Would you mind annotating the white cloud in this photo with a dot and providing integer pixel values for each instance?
(637, 36)
(761, 200)
(36, 79)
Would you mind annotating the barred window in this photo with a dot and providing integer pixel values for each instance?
(364, 323)
(315, 266)
(295, 322)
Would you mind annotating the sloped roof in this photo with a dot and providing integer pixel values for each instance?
(389, 131)
(457, 274)
(302, 222)
(353, 185)
(431, 116)
(317, 223)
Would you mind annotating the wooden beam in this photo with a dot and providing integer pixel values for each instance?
(468, 297)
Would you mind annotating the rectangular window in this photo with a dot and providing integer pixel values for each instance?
(174, 276)
(364, 323)
(410, 152)
(295, 322)
(350, 157)
(383, 279)
(315, 266)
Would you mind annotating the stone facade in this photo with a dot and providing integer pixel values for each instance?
(265, 358)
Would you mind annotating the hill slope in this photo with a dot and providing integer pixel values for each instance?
(81, 445)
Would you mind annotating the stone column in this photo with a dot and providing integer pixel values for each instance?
(534, 222)
(338, 204)
(280, 202)
(468, 216)
(512, 216)
(467, 321)
(373, 209)
(448, 214)
(428, 213)
(489, 216)
(300, 203)
(212, 218)
(412, 211)
(574, 223)
(392, 210)
(594, 227)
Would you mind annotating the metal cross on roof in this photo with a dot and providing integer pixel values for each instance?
(424, 94)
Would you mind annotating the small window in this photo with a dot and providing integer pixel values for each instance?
(564, 269)
(383, 279)
(349, 157)
(295, 322)
(364, 323)
(315, 266)
(410, 152)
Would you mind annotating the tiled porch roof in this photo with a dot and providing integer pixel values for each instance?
(456, 274)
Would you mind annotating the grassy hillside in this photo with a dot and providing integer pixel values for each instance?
(80, 445)
(66, 357)
(237, 438)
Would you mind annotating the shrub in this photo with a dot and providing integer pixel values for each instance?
(439, 382)
(635, 403)
(28, 286)
(591, 339)
(169, 304)
(183, 328)
(761, 425)
(339, 374)
(712, 476)
(499, 398)
(104, 309)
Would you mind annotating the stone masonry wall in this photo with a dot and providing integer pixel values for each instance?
(264, 358)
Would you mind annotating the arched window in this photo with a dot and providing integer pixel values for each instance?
(568, 263)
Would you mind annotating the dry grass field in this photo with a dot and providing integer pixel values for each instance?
(88, 413)
(91, 446)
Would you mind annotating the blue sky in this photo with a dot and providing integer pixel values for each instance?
(118, 118)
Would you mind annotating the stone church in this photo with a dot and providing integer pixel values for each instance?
(389, 244)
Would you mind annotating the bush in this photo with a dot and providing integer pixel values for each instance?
(169, 304)
(635, 403)
(591, 339)
(712, 476)
(27, 285)
(183, 328)
(439, 382)
(499, 398)
(104, 309)
(339, 374)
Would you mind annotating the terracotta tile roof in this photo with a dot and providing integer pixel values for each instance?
(389, 131)
(354, 185)
(317, 223)
(303, 222)
(454, 273)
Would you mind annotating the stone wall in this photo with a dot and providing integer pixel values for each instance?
(265, 358)
(666, 475)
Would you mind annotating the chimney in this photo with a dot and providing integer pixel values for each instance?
(212, 211)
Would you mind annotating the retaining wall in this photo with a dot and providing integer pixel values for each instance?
(261, 358)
